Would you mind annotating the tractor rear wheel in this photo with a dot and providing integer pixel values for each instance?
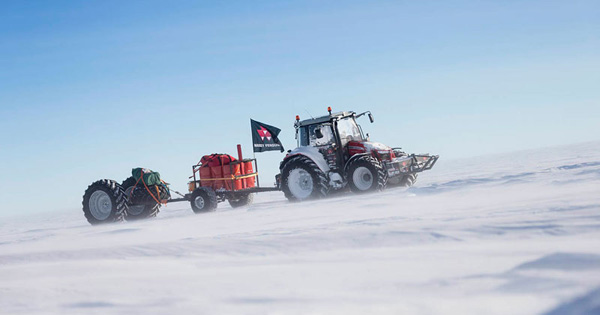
(366, 174)
(137, 211)
(302, 179)
(104, 201)
(240, 200)
(204, 199)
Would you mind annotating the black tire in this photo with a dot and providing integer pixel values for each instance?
(104, 201)
(298, 164)
(138, 212)
(203, 199)
(366, 174)
(408, 180)
(403, 181)
(240, 200)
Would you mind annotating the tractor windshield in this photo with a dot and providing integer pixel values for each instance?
(349, 130)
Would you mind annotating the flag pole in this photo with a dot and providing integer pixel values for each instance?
(254, 155)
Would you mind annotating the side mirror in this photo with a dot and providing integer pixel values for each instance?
(318, 133)
(371, 118)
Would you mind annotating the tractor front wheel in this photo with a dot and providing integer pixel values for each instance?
(366, 174)
(403, 181)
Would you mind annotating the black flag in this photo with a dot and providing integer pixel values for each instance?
(264, 137)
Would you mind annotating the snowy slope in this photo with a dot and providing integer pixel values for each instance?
(517, 233)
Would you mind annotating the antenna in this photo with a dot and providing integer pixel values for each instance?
(306, 110)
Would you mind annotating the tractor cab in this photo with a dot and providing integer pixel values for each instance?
(336, 136)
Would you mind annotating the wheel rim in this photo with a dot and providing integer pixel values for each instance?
(300, 183)
(100, 205)
(133, 209)
(362, 178)
(199, 202)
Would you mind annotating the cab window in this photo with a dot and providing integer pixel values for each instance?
(349, 130)
(308, 135)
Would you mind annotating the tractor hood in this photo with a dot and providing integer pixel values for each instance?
(367, 146)
(377, 149)
(375, 146)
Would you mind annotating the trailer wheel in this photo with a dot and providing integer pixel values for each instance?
(104, 201)
(365, 174)
(203, 199)
(137, 211)
(302, 179)
(240, 200)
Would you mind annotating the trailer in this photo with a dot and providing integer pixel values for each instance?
(135, 198)
(235, 181)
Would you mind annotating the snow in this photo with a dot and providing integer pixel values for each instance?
(517, 233)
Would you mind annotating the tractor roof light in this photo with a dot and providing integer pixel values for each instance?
(297, 117)
(329, 109)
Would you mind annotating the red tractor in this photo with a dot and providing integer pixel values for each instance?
(333, 153)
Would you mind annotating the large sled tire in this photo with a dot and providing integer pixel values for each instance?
(104, 201)
(403, 181)
(240, 200)
(366, 174)
(203, 200)
(302, 179)
(137, 212)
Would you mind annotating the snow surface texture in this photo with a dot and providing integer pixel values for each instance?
(509, 234)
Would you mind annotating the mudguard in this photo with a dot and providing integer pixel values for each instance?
(310, 152)
(352, 158)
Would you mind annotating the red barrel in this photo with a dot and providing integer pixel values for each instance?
(229, 170)
(250, 181)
